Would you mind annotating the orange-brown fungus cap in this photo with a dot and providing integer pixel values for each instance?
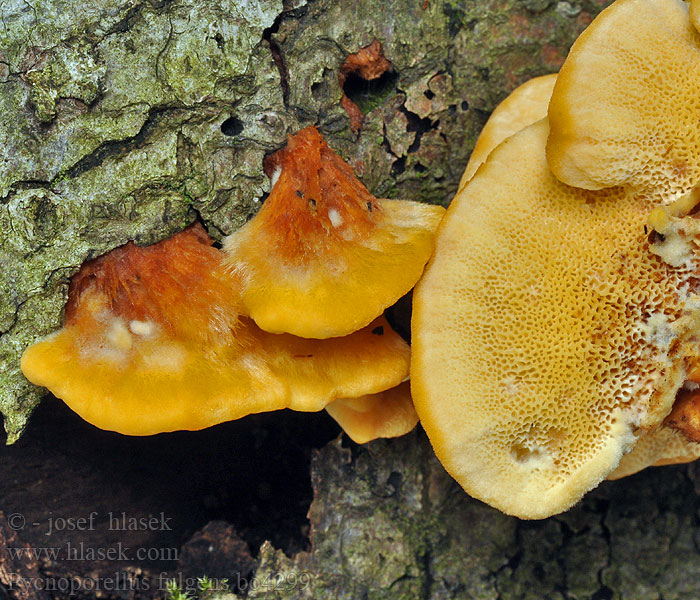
(625, 108)
(324, 257)
(548, 333)
(152, 342)
(685, 415)
(524, 106)
(383, 415)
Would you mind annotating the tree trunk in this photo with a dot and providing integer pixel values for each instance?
(388, 522)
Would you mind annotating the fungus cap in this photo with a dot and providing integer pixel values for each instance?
(694, 12)
(383, 415)
(546, 335)
(524, 106)
(152, 342)
(663, 446)
(334, 256)
(625, 108)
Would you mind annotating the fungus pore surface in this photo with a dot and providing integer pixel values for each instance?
(663, 446)
(524, 106)
(547, 336)
(324, 257)
(625, 108)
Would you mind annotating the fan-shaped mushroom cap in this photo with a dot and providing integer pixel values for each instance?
(546, 335)
(152, 342)
(663, 446)
(524, 106)
(334, 256)
(383, 415)
(625, 107)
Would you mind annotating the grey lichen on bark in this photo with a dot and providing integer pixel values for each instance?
(128, 119)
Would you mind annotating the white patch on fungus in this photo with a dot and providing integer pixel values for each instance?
(167, 357)
(335, 218)
(118, 335)
(142, 328)
(275, 176)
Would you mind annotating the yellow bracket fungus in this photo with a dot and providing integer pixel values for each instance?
(153, 342)
(384, 415)
(324, 257)
(625, 107)
(527, 104)
(524, 106)
(673, 443)
(547, 336)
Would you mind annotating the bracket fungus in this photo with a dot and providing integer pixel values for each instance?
(323, 257)
(665, 445)
(560, 336)
(153, 342)
(525, 105)
(383, 415)
(549, 331)
(625, 107)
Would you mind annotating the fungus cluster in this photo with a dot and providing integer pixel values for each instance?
(556, 331)
(180, 335)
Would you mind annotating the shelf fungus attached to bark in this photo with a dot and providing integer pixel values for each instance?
(557, 329)
(547, 336)
(161, 338)
(324, 257)
(625, 107)
(153, 341)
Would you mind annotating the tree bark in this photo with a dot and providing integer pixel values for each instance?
(388, 522)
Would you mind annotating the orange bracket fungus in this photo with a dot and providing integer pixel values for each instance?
(625, 109)
(548, 335)
(153, 342)
(324, 257)
(387, 414)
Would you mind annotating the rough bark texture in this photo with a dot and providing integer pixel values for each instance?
(128, 119)
(388, 522)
